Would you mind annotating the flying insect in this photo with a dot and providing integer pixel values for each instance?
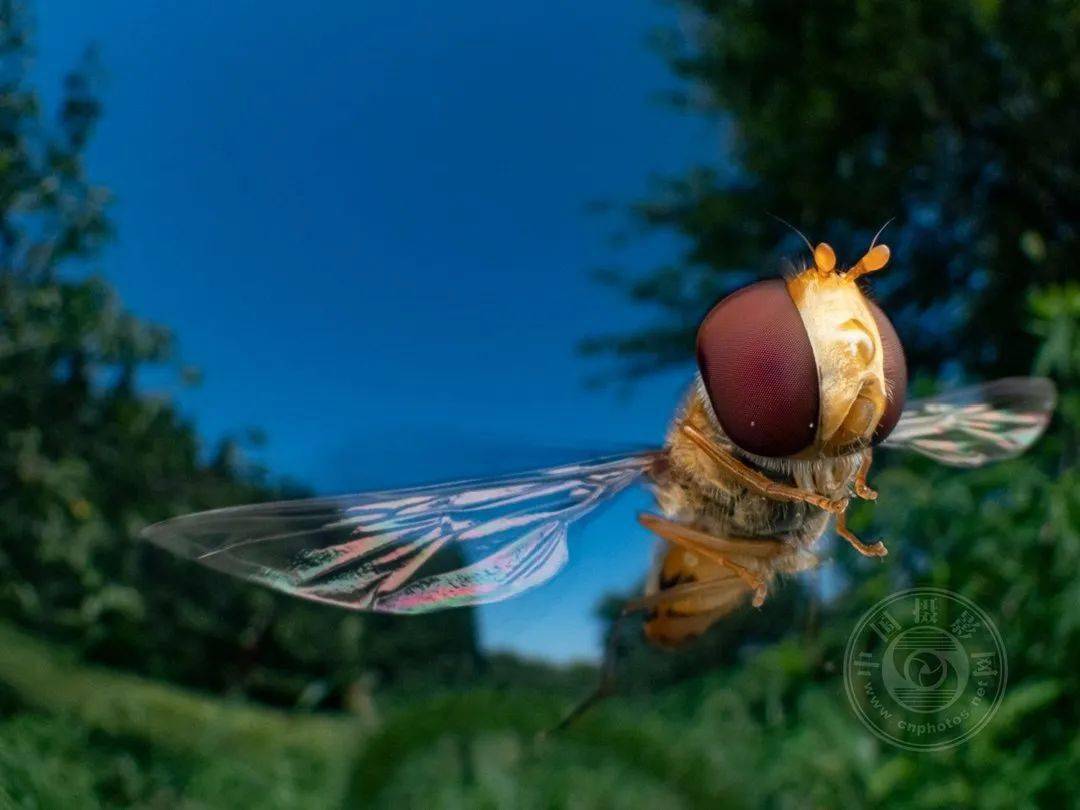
(800, 380)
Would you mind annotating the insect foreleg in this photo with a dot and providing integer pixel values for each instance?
(861, 489)
(755, 481)
(876, 550)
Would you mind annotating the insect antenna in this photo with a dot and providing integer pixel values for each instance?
(876, 256)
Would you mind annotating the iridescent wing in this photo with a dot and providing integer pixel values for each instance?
(410, 550)
(973, 426)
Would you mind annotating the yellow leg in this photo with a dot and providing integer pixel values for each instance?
(756, 481)
(876, 550)
(716, 549)
(763, 548)
(861, 489)
(684, 590)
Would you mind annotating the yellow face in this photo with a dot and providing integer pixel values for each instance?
(847, 349)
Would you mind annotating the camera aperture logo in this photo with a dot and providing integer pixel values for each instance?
(925, 669)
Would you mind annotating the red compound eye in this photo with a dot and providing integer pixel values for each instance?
(895, 373)
(758, 368)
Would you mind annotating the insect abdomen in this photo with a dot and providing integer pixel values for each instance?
(679, 621)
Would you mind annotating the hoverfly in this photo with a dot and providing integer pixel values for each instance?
(799, 379)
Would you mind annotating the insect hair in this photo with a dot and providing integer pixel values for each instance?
(881, 230)
(800, 234)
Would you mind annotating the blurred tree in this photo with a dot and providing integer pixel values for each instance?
(955, 118)
(87, 458)
(958, 119)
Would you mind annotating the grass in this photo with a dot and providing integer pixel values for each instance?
(189, 744)
(84, 736)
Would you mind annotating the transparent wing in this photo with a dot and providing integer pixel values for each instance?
(410, 550)
(973, 426)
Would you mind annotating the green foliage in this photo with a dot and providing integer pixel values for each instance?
(49, 762)
(54, 762)
(956, 118)
(123, 740)
(841, 116)
(499, 753)
(1057, 319)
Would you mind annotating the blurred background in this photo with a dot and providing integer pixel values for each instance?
(256, 250)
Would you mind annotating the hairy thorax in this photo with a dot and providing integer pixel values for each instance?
(693, 490)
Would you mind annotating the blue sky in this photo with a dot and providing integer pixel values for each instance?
(368, 227)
